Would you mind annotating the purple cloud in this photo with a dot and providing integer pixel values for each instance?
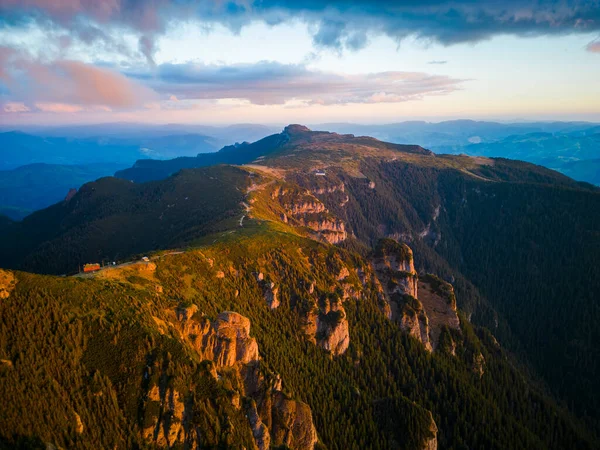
(274, 83)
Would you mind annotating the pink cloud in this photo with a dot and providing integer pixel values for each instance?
(15, 107)
(69, 83)
(58, 107)
(593, 46)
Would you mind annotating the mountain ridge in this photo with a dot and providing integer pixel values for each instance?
(371, 276)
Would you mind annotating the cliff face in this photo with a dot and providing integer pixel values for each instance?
(272, 417)
(332, 329)
(226, 341)
(421, 307)
(303, 209)
(439, 304)
(431, 443)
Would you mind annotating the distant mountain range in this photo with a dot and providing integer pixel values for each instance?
(37, 186)
(21, 148)
(156, 151)
(572, 148)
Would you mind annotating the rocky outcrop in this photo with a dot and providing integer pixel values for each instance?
(392, 255)
(328, 228)
(421, 307)
(165, 417)
(478, 365)
(78, 424)
(270, 292)
(439, 304)
(332, 331)
(226, 341)
(330, 189)
(303, 209)
(72, 192)
(260, 432)
(431, 443)
(292, 423)
(306, 207)
(273, 418)
(409, 313)
(8, 283)
(397, 286)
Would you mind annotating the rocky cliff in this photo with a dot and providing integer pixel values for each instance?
(228, 349)
(301, 208)
(421, 307)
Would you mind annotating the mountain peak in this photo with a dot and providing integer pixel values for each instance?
(295, 128)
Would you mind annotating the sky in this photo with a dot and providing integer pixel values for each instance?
(303, 61)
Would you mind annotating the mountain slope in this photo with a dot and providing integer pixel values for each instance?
(518, 242)
(112, 219)
(291, 138)
(124, 347)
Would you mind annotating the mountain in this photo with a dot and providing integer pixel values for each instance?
(293, 137)
(220, 135)
(21, 149)
(151, 354)
(569, 147)
(37, 186)
(449, 136)
(5, 222)
(584, 170)
(110, 219)
(325, 291)
(573, 154)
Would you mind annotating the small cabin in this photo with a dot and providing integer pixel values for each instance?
(91, 267)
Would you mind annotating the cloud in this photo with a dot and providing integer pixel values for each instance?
(338, 24)
(268, 83)
(58, 107)
(147, 47)
(437, 62)
(15, 107)
(53, 85)
(593, 46)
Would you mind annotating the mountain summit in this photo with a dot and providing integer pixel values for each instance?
(291, 141)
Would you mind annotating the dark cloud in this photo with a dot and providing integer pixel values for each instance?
(340, 24)
(274, 83)
(146, 46)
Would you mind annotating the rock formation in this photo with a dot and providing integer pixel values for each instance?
(226, 341)
(431, 443)
(273, 418)
(270, 293)
(421, 307)
(7, 283)
(303, 209)
(332, 331)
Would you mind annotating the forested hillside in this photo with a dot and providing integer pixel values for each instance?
(103, 343)
(471, 325)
